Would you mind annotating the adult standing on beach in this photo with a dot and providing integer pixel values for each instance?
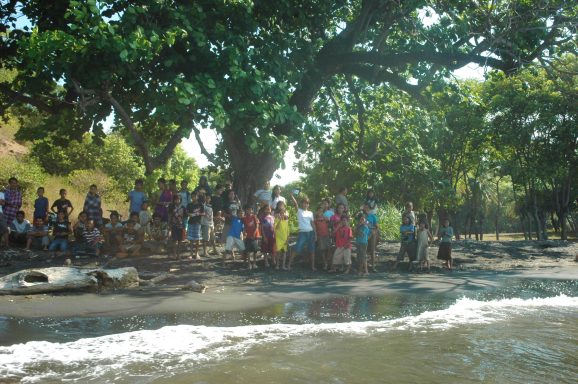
(136, 197)
(12, 200)
(3, 226)
(341, 198)
(92, 205)
(409, 213)
(164, 199)
(276, 197)
(445, 235)
(203, 186)
(263, 196)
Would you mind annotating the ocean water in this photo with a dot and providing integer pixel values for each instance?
(524, 332)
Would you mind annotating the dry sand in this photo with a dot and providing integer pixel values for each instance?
(478, 266)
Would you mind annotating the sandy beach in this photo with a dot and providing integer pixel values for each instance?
(478, 266)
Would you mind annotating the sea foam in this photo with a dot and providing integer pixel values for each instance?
(188, 345)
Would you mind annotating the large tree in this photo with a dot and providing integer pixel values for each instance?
(251, 70)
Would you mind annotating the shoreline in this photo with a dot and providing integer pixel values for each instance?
(479, 266)
(169, 300)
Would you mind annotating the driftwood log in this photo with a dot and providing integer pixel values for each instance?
(194, 286)
(44, 280)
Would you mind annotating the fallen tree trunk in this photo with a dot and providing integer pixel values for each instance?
(44, 280)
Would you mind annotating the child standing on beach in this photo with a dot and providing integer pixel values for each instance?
(407, 232)
(342, 254)
(195, 211)
(208, 226)
(267, 229)
(251, 233)
(175, 213)
(41, 205)
(424, 236)
(445, 235)
(234, 236)
(281, 234)
(307, 236)
(323, 242)
(362, 233)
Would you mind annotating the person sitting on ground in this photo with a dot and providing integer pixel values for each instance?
(130, 244)
(62, 204)
(60, 232)
(93, 239)
(408, 245)
(38, 236)
(234, 236)
(41, 205)
(135, 219)
(158, 235)
(113, 232)
(79, 227)
(342, 254)
(19, 229)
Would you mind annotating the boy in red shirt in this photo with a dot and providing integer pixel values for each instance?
(251, 234)
(342, 255)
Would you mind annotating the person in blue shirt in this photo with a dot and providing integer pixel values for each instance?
(136, 197)
(41, 205)
(372, 223)
(407, 231)
(234, 236)
(362, 234)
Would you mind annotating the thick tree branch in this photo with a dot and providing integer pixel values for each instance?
(139, 141)
(34, 101)
(204, 151)
(368, 74)
(453, 60)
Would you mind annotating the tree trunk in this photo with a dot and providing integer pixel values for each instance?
(523, 224)
(498, 210)
(249, 171)
(536, 218)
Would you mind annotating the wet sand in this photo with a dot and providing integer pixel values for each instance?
(478, 266)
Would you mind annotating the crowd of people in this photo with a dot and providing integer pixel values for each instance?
(192, 223)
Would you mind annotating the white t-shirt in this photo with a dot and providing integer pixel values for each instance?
(305, 220)
(1, 198)
(276, 200)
